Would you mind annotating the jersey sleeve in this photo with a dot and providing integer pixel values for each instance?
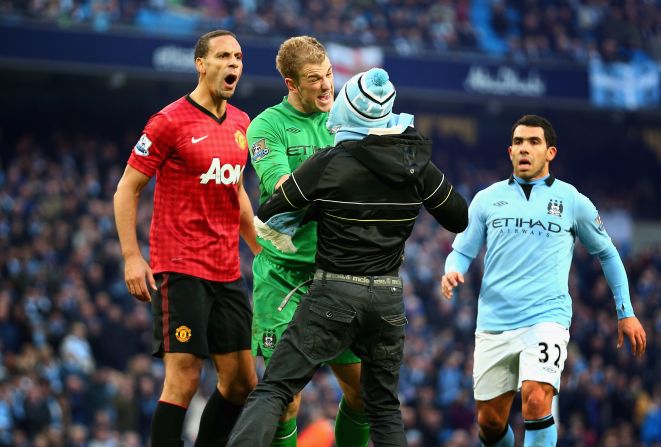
(588, 226)
(268, 152)
(457, 262)
(591, 232)
(471, 240)
(157, 142)
(441, 200)
(303, 186)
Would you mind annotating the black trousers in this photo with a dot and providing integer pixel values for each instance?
(365, 314)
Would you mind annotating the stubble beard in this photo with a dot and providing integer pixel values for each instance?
(224, 96)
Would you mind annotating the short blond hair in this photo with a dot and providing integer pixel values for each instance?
(296, 52)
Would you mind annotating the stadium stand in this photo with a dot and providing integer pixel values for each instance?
(520, 29)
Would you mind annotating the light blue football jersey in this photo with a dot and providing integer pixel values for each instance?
(529, 248)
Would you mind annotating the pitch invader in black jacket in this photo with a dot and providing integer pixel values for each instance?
(365, 193)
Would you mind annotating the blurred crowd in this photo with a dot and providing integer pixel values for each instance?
(572, 30)
(75, 368)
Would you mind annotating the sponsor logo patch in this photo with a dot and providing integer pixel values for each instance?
(259, 150)
(599, 223)
(182, 334)
(240, 139)
(141, 148)
(269, 339)
(500, 203)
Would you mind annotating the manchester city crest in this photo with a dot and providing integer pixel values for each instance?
(269, 339)
(555, 208)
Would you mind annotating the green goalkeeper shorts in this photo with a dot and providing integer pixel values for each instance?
(271, 283)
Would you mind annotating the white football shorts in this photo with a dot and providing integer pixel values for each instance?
(504, 360)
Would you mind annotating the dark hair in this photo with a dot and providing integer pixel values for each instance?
(202, 45)
(538, 121)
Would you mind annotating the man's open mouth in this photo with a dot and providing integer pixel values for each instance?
(230, 79)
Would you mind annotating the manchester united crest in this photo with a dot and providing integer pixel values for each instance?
(182, 334)
(269, 339)
(240, 139)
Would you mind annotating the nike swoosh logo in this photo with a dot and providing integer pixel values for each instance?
(197, 140)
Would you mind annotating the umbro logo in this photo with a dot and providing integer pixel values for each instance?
(293, 130)
(197, 140)
(500, 203)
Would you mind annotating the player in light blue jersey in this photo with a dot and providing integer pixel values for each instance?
(529, 224)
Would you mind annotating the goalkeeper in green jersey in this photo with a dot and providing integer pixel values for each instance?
(280, 139)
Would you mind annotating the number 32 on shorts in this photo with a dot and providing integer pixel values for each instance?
(546, 356)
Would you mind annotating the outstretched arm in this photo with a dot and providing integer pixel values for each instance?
(294, 192)
(285, 198)
(278, 218)
(442, 201)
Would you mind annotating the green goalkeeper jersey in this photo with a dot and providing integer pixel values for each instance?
(280, 139)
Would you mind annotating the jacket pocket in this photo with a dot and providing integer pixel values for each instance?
(332, 313)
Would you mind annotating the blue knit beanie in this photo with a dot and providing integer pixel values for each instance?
(366, 100)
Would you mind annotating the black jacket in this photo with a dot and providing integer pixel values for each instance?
(366, 196)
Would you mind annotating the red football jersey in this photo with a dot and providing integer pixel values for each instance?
(198, 160)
